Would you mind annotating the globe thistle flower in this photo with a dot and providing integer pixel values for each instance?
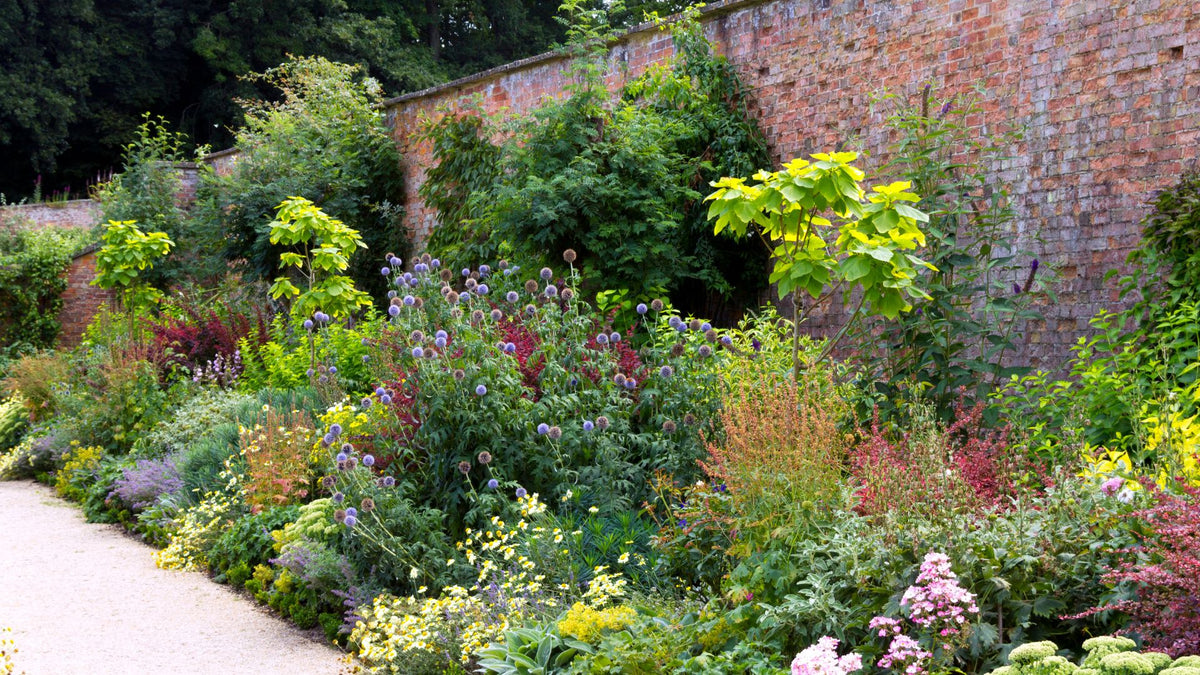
(705, 327)
(430, 354)
(568, 294)
(483, 289)
(710, 335)
(440, 343)
(351, 463)
(308, 324)
(484, 458)
(666, 371)
(416, 336)
(615, 337)
(480, 390)
(503, 264)
(420, 303)
(471, 284)
(389, 481)
(493, 484)
(674, 322)
(409, 300)
(546, 273)
(435, 262)
(385, 271)
(619, 379)
(445, 275)
(368, 460)
(668, 427)
(555, 433)
(417, 352)
(459, 374)
(602, 423)
(569, 255)
(656, 305)
(466, 271)
(602, 339)
(323, 378)
(689, 419)
(510, 348)
(351, 521)
(512, 296)
(551, 291)
(327, 439)
(367, 505)
(420, 268)
(497, 315)
(543, 429)
(531, 286)
(705, 351)
(426, 258)
(380, 391)
(391, 295)
(588, 425)
(452, 297)
(530, 310)
(333, 371)
(677, 349)
(464, 296)
(338, 497)
(477, 316)
(339, 516)
(366, 402)
(521, 493)
(309, 372)
(631, 383)
(641, 308)
(694, 324)
(328, 482)
(464, 467)
(386, 399)
(395, 262)
(727, 341)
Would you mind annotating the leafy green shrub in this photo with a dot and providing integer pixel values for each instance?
(326, 141)
(14, 420)
(248, 543)
(192, 420)
(613, 181)
(32, 266)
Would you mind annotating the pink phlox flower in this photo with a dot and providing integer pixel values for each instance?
(904, 653)
(885, 625)
(822, 659)
(936, 597)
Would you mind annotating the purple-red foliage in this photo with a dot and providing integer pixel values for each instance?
(199, 335)
(1166, 571)
(966, 467)
(526, 343)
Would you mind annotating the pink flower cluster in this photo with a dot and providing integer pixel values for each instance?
(936, 600)
(904, 655)
(886, 625)
(822, 659)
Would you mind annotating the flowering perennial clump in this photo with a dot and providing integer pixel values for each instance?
(822, 659)
(936, 601)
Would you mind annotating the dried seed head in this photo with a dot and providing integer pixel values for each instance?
(569, 255)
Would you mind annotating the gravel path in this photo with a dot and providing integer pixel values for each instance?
(88, 599)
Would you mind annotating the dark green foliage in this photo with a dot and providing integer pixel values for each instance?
(983, 289)
(325, 141)
(617, 181)
(1171, 246)
(247, 543)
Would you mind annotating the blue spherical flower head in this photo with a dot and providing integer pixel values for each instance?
(351, 511)
(366, 402)
(630, 383)
(393, 311)
(681, 327)
(368, 460)
(435, 262)
(482, 289)
(385, 399)
(380, 391)
(335, 428)
(551, 291)
(705, 327)
(588, 425)
(388, 481)
(466, 271)
(395, 262)
(511, 296)
(365, 358)
(642, 308)
(420, 268)
(385, 271)
(407, 277)
(480, 390)
(391, 294)
(328, 438)
(546, 273)
(309, 372)
(333, 370)
(602, 339)
(350, 521)
(441, 334)
(510, 348)
(337, 496)
(673, 321)
(493, 484)
(417, 352)
(666, 371)
(615, 337)
(440, 342)
(543, 429)
(521, 493)
(726, 340)
(308, 324)
(409, 300)
(341, 457)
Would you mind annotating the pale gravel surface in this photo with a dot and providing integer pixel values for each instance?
(88, 599)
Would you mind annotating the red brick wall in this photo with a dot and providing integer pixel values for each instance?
(1108, 94)
(74, 214)
(81, 300)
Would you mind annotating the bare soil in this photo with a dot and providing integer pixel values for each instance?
(88, 599)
